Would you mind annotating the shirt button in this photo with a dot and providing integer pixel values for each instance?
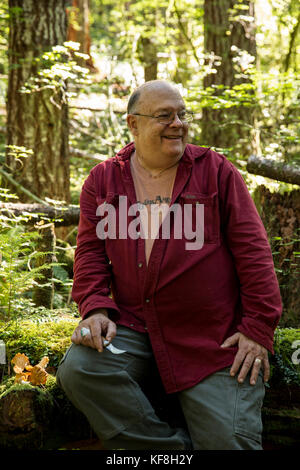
(147, 301)
(131, 324)
(140, 265)
(146, 328)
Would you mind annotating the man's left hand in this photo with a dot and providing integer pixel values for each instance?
(250, 355)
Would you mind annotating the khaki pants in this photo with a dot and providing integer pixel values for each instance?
(111, 390)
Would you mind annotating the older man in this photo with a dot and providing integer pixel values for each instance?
(199, 301)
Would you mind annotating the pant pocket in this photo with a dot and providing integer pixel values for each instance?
(247, 417)
(57, 375)
(65, 355)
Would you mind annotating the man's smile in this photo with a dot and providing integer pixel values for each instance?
(172, 137)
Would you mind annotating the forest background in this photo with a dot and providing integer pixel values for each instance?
(67, 69)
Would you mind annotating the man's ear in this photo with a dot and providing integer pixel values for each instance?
(132, 124)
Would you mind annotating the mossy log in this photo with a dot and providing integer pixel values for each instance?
(281, 417)
(269, 168)
(23, 414)
(60, 216)
(43, 418)
(39, 418)
(280, 214)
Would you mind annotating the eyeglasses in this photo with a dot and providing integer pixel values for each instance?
(167, 118)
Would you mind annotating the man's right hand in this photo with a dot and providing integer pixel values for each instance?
(100, 326)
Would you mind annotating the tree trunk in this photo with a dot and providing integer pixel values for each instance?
(280, 214)
(37, 418)
(44, 290)
(79, 30)
(148, 57)
(183, 44)
(37, 120)
(226, 36)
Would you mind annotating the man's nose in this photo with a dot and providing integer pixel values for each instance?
(176, 121)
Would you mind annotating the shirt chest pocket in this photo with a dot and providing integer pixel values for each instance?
(201, 212)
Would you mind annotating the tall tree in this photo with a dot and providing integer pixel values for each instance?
(229, 35)
(37, 120)
(147, 45)
(79, 30)
(148, 57)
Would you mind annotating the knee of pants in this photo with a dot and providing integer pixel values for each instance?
(102, 390)
(81, 361)
(74, 369)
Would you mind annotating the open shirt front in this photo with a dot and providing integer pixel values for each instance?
(187, 301)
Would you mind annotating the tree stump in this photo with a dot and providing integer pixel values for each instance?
(281, 417)
(280, 214)
(23, 414)
(40, 418)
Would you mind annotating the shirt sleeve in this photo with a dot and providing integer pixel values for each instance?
(92, 271)
(247, 240)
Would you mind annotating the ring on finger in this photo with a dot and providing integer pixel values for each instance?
(84, 332)
(257, 360)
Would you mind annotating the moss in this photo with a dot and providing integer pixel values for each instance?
(52, 337)
(38, 339)
(8, 386)
(283, 368)
(54, 418)
(283, 342)
(43, 394)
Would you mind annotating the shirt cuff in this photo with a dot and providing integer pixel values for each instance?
(100, 302)
(258, 331)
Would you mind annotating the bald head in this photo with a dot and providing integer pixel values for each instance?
(157, 144)
(144, 92)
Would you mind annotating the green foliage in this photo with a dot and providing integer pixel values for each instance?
(270, 97)
(48, 337)
(277, 20)
(57, 67)
(20, 269)
(3, 36)
(285, 364)
(173, 27)
(38, 338)
(17, 248)
(176, 29)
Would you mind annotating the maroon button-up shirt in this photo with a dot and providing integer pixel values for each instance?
(188, 301)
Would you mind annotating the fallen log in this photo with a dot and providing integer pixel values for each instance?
(44, 418)
(269, 168)
(60, 216)
(21, 420)
(39, 418)
(82, 154)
